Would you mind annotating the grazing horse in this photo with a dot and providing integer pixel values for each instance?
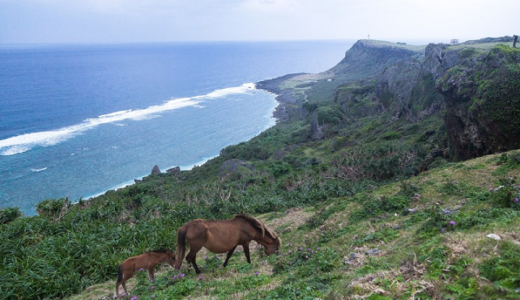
(220, 236)
(146, 261)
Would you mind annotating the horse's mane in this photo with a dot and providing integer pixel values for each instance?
(259, 224)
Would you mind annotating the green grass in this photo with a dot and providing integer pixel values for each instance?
(326, 256)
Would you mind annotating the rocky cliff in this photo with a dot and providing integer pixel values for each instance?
(482, 96)
(475, 85)
(468, 94)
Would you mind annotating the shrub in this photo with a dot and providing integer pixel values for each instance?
(52, 207)
(9, 214)
(507, 194)
(329, 114)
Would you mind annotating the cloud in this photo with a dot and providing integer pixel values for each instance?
(172, 20)
(271, 6)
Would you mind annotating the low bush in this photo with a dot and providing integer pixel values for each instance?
(9, 214)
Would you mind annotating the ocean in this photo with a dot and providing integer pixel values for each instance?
(78, 120)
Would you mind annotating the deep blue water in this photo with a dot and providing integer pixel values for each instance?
(78, 120)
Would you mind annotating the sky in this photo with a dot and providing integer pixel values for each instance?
(129, 21)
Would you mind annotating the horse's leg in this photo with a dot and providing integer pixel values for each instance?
(116, 293)
(192, 256)
(229, 255)
(126, 274)
(246, 251)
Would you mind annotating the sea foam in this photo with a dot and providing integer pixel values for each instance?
(25, 142)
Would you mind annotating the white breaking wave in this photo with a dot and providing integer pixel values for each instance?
(38, 170)
(25, 142)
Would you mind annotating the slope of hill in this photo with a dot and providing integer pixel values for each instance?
(362, 167)
(449, 233)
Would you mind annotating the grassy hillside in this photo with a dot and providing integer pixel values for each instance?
(359, 176)
(423, 237)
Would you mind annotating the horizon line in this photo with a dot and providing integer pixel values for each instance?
(211, 41)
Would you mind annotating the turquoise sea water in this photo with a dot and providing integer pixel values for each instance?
(78, 120)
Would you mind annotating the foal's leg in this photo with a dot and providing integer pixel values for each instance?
(229, 255)
(150, 274)
(246, 251)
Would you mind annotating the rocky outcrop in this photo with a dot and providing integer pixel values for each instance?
(316, 131)
(174, 171)
(478, 89)
(368, 57)
(232, 166)
(405, 89)
(470, 90)
(482, 95)
(156, 170)
(283, 96)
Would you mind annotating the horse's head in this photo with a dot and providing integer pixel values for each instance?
(270, 247)
(264, 236)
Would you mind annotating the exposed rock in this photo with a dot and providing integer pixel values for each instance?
(233, 165)
(482, 95)
(333, 144)
(156, 170)
(367, 57)
(493, 236)
(476, 89)
(416, 197)
(174, 171)
(354, 259)
(502, 39)
(284, 96)
(448, 211)
(373, 252)
(316, 131)
(410, 211)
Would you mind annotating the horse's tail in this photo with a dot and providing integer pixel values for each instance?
(119, 273)
(181, 246)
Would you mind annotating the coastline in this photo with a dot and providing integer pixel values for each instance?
(283, 96)
(277, 113)
(141, 178)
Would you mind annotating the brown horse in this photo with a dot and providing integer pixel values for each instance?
(146, 261)
(222, 236)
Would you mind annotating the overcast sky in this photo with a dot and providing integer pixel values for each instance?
(122, 21)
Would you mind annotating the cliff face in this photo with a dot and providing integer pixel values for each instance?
(482, 96)
(467, 94)
(368, 57)
(403, 89)
(477, 88)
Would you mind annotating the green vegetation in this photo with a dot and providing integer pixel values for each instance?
(374, 208)
(367, 246)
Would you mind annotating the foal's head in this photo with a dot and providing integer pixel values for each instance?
(170, 257)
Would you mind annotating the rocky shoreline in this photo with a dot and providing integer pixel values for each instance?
(283, 96)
